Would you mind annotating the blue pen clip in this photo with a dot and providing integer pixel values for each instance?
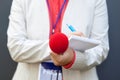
(71, 28)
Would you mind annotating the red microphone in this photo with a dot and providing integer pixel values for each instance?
(58, 43)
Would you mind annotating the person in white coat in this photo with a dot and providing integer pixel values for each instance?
(29, 31)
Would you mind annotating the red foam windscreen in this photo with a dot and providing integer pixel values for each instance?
(58, 43)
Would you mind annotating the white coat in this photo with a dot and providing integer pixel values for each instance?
(28, 36)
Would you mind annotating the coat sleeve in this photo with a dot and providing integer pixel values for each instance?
(20, 47)
(95, 56)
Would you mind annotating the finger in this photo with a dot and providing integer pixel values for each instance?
(54, 59)
(77, 34)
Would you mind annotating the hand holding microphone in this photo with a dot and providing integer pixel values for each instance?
(62, 59)
(61, 54)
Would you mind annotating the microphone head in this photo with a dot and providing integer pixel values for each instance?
(58, 43)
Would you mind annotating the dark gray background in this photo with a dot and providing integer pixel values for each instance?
(109, 70)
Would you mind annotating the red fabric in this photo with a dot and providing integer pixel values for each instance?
(71, 63)
(55, 6)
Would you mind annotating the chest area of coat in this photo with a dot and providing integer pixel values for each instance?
(78, 13)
